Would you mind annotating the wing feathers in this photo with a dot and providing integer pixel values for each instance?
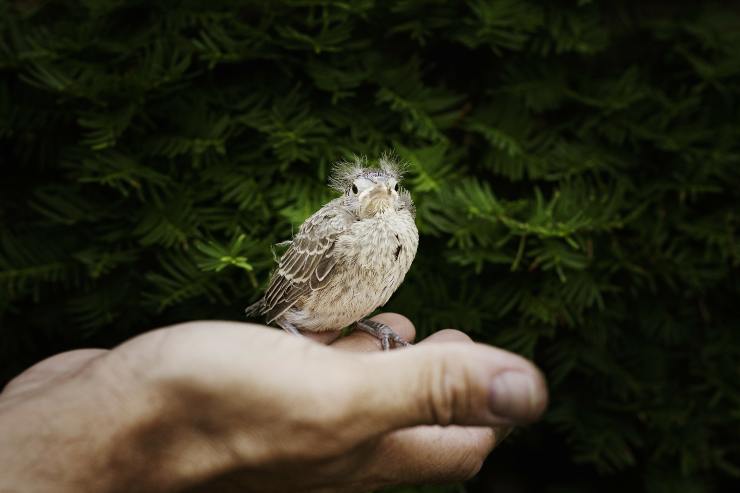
(308, 263)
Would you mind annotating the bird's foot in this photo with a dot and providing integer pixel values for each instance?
(383, 332)
(289, 327)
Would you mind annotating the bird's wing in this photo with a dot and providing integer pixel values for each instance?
(307, 264)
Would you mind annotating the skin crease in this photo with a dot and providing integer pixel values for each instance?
(224, 406)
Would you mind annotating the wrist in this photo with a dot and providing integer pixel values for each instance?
(101, 429)
(59, 436)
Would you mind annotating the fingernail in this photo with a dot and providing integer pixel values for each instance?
(513, 395)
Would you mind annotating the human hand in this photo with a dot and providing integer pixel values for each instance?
(220, 406)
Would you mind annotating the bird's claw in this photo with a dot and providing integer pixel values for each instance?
(383, 332)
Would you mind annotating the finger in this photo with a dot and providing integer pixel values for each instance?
(429, 454)
(360, 341)
(445, 384)
(456, 453)
(323, 337)
(451, 335)
(447, 335)
(52, 368)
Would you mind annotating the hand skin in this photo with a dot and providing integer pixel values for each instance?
(226, 406)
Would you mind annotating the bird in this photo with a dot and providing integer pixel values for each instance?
(349, 257)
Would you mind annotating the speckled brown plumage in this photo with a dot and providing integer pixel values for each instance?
(349, 257)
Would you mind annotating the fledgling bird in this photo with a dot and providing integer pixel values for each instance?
(348, 258)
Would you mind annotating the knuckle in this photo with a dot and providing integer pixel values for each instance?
(448, 392)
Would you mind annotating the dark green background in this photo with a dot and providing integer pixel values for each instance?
(576, 167)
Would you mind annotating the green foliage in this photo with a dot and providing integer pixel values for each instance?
(575, 165)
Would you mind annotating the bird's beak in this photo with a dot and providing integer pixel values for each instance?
(378, 199)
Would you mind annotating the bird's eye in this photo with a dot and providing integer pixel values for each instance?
(354, 188)
(396, 187)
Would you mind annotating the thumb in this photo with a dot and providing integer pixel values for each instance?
(446, 384)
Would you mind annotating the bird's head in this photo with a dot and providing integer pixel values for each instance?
(371, 191)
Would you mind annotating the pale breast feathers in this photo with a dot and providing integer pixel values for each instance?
(309, 260)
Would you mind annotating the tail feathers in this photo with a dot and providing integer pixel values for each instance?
(255, 310)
